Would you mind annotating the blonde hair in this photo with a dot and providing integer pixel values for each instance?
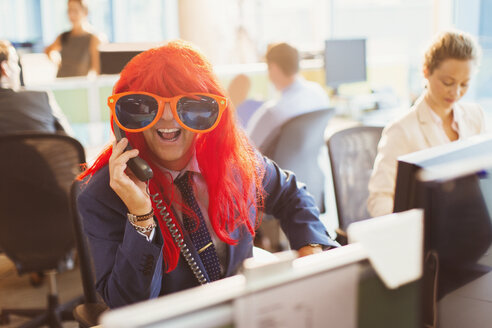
(451, 45)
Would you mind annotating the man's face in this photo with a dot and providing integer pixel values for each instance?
(171, 144)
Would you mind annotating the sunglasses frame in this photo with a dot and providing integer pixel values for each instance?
(161, 103)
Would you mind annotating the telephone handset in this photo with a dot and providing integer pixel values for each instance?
(138, 166)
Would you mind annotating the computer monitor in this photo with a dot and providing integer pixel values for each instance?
(452, 183)
(458, 210)
(457, 200)
(112, 62)
(114, 56)
(406, 194)
(345, 61)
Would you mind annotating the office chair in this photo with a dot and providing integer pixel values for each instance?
(352, 152)
(37, 170)
(86, 314)
(296, 148)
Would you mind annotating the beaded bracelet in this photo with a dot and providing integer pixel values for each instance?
(138, 218)
(143, 229)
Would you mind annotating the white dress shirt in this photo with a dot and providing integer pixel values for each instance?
(300, 97)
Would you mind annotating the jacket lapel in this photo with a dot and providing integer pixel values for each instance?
(426, 121)
(237, 253)
(459, 117)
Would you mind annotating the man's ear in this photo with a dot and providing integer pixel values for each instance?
(4, 68)
(425, 71)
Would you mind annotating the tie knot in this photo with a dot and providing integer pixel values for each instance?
(183, 182)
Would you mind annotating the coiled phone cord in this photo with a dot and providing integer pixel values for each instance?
(178, 239)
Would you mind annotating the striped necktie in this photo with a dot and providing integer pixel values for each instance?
(199, 236)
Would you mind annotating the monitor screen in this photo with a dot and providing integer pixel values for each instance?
(112, 62)
(114, 56)
(345, 61)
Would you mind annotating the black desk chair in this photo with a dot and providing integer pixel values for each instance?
(88, 313)
(296, 148)
(35, 228)
(352, 152)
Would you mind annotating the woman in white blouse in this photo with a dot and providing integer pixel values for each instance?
(435, 119)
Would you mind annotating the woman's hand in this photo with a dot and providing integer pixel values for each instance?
(125, 184)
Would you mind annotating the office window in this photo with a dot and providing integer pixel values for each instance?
(101, 17)
(14, 15)
(302, 23)
(41, 21)
(396, 31)
(138, 21)
(238, 31)
(484, 78)
(53, 16)
(473, 16)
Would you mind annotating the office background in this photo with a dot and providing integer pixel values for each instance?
(235, 34)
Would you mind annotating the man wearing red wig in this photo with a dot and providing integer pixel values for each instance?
(191, 217)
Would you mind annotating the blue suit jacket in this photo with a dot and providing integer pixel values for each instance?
(129, 268)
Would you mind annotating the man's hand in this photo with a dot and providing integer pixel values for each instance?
(308, 250)
(126, 185)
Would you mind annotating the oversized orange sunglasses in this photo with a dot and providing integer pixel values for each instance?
(138, 111)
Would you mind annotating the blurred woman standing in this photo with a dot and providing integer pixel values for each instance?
(79, 46)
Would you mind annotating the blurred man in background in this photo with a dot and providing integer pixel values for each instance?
(22, 110)
(298, 96)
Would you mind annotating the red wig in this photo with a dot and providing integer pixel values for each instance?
(228, 162)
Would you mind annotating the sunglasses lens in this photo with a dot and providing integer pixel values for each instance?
(198, 113)
(136, 111)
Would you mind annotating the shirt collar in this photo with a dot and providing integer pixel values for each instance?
(293, 85)
(192, 166)
(437, 120)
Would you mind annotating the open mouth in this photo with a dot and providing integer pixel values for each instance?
(169, 134)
